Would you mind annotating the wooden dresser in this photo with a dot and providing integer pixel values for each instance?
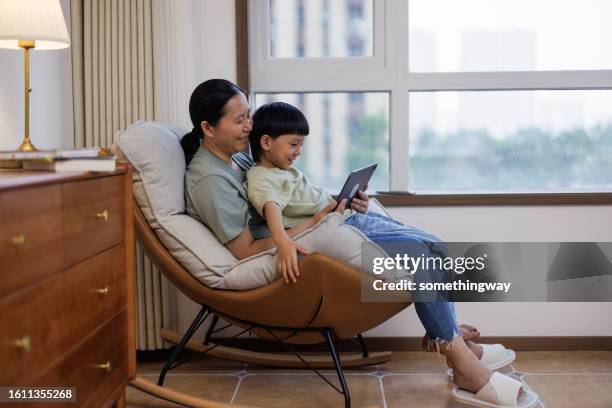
(67, 284)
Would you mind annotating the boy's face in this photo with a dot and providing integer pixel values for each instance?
(283, 150)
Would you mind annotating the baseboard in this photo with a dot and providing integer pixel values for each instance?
(527, 343)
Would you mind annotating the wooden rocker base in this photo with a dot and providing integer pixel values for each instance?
(277, 359)
(177, 397)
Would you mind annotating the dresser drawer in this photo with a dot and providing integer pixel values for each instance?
(93, 217)
(30, 236)
(95, 291)
(31, 331)
(96, 368)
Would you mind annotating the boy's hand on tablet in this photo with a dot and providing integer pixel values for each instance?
(287, 261)
(360, 202)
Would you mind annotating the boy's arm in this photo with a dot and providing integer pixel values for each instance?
(287, 249)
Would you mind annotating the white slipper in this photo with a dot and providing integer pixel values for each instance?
(494, 357)
(500, 392)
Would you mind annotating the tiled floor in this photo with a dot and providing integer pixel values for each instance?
(412, 379)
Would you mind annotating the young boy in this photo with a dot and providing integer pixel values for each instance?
(282, 194)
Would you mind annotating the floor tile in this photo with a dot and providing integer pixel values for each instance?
(218, 388)
(256, 369)
(567, 391)
(299, 391)
(415, 362)
(413, 390)
(204, 364)
(306, 371)
(409, 379)
(556, 362)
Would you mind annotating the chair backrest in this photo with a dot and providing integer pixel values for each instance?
(154, 151)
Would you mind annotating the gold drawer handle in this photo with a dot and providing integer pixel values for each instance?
(24, 343)
(103, 215)
(106, 366)
(19, 240)
(103, 291)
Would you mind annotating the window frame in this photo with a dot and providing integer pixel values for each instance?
(388, 71)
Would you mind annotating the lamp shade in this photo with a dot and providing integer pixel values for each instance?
(39, 20)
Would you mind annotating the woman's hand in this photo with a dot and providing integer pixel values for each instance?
(360, 204)
(287, 260)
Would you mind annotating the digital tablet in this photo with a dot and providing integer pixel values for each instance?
(356, 181)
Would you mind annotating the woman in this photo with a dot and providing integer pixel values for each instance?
(215, 195)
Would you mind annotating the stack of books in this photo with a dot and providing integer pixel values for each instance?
(96, 159)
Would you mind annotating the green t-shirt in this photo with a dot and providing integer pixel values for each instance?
(297, 197)
(215, 195)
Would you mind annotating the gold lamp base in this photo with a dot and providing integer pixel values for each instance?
(27, 146)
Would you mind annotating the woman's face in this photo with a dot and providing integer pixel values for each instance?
(231, 134)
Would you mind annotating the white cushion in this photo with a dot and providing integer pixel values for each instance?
(154, 150)
(330, 237)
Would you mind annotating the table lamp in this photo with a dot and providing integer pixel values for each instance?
(29, 24)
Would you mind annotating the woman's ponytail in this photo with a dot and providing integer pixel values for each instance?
(207, 104)
(190, 144)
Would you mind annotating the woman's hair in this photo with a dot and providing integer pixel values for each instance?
(276, 119)
(207, 103)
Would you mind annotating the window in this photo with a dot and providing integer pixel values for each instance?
(510, 140)
(448, 95)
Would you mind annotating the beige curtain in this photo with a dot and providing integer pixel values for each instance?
(112, 64)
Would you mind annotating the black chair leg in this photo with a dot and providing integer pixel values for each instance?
(177, 349)
(332, 348)
(209, 333)
(364, 348)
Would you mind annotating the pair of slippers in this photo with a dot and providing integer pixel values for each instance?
(501, 391)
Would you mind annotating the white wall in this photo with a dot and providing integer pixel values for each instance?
(514, 224)
(50, 100)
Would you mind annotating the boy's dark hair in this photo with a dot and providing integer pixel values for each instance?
(276, 119)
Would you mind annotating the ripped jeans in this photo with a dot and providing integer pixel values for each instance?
(436, 313)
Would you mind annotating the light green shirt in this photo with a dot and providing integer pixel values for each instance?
(215, 195)
(290, 189)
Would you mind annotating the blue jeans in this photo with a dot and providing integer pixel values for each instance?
(437, 316)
